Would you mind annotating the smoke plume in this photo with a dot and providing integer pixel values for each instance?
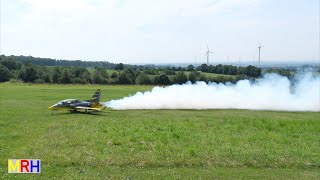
(272, 92)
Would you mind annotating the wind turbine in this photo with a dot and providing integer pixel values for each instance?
(207, 54)
(259, 47)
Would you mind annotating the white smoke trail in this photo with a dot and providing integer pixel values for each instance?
(272, 92)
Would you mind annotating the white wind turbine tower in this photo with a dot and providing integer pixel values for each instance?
(259, 47)
(207, 54)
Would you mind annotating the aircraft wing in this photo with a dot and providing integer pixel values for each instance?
(87, 108)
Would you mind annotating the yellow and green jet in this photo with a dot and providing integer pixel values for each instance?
(75, 105)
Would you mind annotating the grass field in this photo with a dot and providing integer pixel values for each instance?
(148, 144)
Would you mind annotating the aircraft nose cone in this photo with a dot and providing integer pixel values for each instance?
(50, 108)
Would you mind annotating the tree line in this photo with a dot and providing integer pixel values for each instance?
(119, 74)
(250, 71)
(60, 62)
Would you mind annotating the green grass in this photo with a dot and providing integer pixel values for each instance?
(211, 74)
(148, 144)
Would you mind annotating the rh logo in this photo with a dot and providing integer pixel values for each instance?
(24, 166)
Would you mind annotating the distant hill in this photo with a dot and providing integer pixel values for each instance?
(55, 62)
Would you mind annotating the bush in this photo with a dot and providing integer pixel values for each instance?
(170, 72)
(241, 70)
(29, 74)
(97, 77)
(119, 66)
(86, 76)
(192, 77)
(56, 75)
(46, 78)
(4, 73)
(10, 64)
(114, 75)
(151, 71)
(128, 76)
(103, 72)
(190, 67)
(65, 78)
(252, 71)
(203, 68)
(143, 79)
(125, 78)
(233, 70)
(163, 79)
(180, 78)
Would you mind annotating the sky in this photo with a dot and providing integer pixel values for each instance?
(161, 31)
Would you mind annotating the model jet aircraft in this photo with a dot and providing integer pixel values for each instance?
(74, 105)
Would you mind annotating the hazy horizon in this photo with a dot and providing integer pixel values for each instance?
(188, 62)
(161, 32)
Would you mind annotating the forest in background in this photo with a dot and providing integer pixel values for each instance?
(45, 70)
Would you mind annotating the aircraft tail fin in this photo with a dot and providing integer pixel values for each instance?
(96, 96)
